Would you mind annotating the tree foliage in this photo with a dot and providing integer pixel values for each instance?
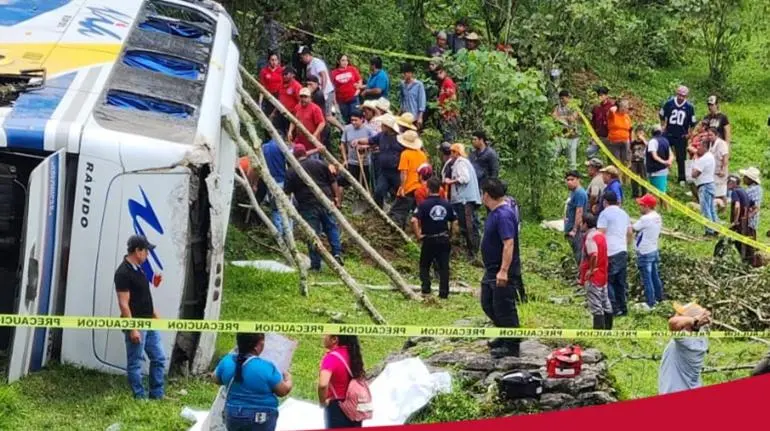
(511, 105)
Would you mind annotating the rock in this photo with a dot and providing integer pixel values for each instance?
(461, 359)
(592, 356)
(464, 323)
(595, 398)
(493, 378)
(556, 401)
(510, 363)
(583, 382)
(470, 377)
(598, 369)
(533, 349)
(556, 385)
(413, 341)
(523, 405)
(182, 392)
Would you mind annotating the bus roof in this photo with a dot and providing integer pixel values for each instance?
(76, 44)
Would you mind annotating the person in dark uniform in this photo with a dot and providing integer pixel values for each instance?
(132, 285)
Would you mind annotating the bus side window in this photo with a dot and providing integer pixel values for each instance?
(176, 28)
(162, 63)
(124, 99)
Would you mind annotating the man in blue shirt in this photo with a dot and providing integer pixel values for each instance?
(677, 118)
(412, 95)
(502, 266)
(276, 164)
(611, 177)
(576, 207)
(378, 84)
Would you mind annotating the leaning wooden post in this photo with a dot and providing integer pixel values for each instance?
(306, 229)
(323, 150)
(241, 179)
(394, 275)
(288, 234)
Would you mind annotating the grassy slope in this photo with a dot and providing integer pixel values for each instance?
(67, 398)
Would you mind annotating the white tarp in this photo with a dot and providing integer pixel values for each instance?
(403, 388)
(266, 265)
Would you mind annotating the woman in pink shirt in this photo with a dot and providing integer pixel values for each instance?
(341, 363)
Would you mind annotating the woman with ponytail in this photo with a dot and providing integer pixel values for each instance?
(253, 386)
(342, 359)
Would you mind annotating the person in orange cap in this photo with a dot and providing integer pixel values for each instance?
(647, 230)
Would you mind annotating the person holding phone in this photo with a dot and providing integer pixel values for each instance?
(135, 301)
(253, 386)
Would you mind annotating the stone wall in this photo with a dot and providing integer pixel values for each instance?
(478, 373)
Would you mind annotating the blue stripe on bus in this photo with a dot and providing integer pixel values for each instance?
(25, 126)
(44, 295)
(16, 11)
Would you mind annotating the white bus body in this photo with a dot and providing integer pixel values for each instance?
(123, 137)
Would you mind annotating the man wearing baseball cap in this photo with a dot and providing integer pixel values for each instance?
(132, 285)
(677, 118)
(596, 185)
(288, 95)
(647, 230)
(716, 119)
(312, 117)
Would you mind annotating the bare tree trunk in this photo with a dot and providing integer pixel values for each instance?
(306, 229)
(288, 235)
(394, 275)
(323, 150)
(265, 219)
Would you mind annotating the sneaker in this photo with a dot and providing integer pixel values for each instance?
(495, 343)
(505, 351)
(621, 313)
(682, 183)
(339, 260)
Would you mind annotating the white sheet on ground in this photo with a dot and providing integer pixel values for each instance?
(267, 265)
(557, 225)
(403, 388)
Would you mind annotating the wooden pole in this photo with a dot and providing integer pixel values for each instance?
(241, 179)
(323, 150)
(288, 234)
(306, 229)
(324, 200)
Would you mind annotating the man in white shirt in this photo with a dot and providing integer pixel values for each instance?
(703, 170)
(317, 67)
(647, 230)
(616, 226)
(721, 151)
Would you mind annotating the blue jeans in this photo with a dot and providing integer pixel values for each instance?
(707, 206)
(617, 282)
(347, 107)
(648, 271)
(275, 215)
(321, 220)
(388, 181)
(149, 343)
(250, 419)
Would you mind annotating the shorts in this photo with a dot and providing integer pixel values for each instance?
(660, 182)
(598, 299)
(621, 151)
(720, 185)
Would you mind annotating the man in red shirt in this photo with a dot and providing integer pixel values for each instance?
(599, 116)
(311, 116)
(594, 273)
(288, 95)
(447, 105)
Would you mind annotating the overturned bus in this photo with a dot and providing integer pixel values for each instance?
(110, 125)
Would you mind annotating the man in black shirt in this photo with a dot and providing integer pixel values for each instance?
(431, 221)
(310, 208)
(135, 301)
(484, 158)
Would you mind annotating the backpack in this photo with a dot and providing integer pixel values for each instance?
(357, 404)
(565, 362)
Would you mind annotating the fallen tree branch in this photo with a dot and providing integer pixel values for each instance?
(288, 233)
(457, 288)
(324, 200)
(323, 150)
(303, 225)
(754, 310)
(734, 329)
(725, 369)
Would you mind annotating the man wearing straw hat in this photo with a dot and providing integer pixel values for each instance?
(683, 359)
(405, 122)
(386, 156)
(465, 196)
(753, 179)
(412, 157)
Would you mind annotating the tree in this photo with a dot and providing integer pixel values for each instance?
(512, 106)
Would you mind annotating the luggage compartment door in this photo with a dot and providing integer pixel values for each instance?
(40, 263)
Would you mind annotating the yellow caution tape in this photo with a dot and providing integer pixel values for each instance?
(678, 206)
(304, 328)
